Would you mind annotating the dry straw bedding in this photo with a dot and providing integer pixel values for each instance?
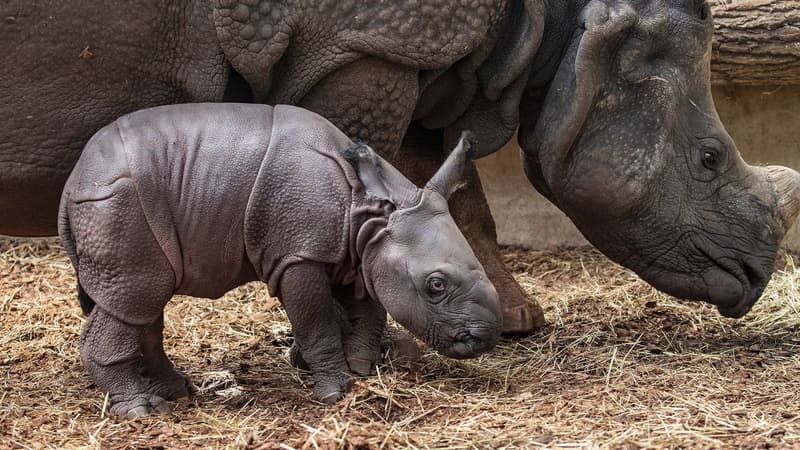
(619, 366)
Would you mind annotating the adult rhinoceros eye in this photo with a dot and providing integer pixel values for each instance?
(710, 159)
(436, 285)
(712, 154)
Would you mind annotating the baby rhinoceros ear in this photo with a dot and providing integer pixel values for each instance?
(380, 179)
(448, 178)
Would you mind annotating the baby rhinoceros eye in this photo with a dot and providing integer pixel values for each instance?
(436, 285)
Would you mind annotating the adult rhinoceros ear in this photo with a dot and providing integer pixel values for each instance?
(448, 178)
(572, 92)
(380, 179)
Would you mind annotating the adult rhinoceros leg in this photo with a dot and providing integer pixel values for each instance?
(373, 100)
(471, 213)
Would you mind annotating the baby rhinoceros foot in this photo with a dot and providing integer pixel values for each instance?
(139, 405)
(360, 361)
(153, 396)
(362, 356)
(128, 362)
(361, 366)
(170, 385)
(330, 388)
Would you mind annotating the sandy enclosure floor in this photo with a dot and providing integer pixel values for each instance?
(619, 366)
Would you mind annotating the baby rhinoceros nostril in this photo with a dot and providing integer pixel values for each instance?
(480, 339)
(482, 334)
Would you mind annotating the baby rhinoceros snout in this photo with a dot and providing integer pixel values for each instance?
(481, 325)
(474, 341)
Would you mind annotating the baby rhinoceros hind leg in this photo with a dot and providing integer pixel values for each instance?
(163, 379)
(138, 382)
(128, 279)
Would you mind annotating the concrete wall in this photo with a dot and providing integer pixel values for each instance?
(764, 122)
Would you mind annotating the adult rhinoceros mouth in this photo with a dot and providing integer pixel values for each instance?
(744, 306)
(725, 278)
(745, 270)
(753, 282)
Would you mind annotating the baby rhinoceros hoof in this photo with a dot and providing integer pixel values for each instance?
(330, 389)
(139, 406)
(171, 386)
(362, 366)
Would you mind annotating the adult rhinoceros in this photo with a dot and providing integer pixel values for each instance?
(611, 98)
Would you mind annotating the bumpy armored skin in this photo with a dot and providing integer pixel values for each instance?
(611, 98)
(198, 199)
(357, 63)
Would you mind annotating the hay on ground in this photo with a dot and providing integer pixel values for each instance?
(619, 366)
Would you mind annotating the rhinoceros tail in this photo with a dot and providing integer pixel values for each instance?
(65, 232)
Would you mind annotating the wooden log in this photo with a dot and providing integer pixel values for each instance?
(756, 42)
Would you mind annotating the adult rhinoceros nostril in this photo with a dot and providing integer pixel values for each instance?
(755, 276)
(757, 279)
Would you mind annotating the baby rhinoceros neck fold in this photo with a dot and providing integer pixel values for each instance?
(306, 203)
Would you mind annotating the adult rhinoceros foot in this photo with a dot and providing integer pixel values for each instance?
(520, 315)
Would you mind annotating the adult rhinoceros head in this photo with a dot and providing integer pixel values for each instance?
(630, 146)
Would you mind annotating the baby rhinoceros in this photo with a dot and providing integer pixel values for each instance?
(198, 199)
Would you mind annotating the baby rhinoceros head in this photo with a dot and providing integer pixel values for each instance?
(416, 262)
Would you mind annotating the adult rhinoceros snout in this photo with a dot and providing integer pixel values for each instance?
(753, 282)
(787, 187)
(739, 310)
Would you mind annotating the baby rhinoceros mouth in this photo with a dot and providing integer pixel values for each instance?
(472, 341)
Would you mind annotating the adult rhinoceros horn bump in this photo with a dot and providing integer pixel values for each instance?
(787, 187)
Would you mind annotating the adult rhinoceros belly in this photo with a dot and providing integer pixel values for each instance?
(67, 73)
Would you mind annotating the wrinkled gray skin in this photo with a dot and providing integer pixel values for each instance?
(630, 146)
(197, 199)
(612, 99)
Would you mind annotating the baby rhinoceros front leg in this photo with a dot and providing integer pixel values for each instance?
(366, 320)
(128, 362)
(309, 303)
(362, 323)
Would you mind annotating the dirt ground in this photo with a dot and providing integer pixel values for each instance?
(619, 366)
